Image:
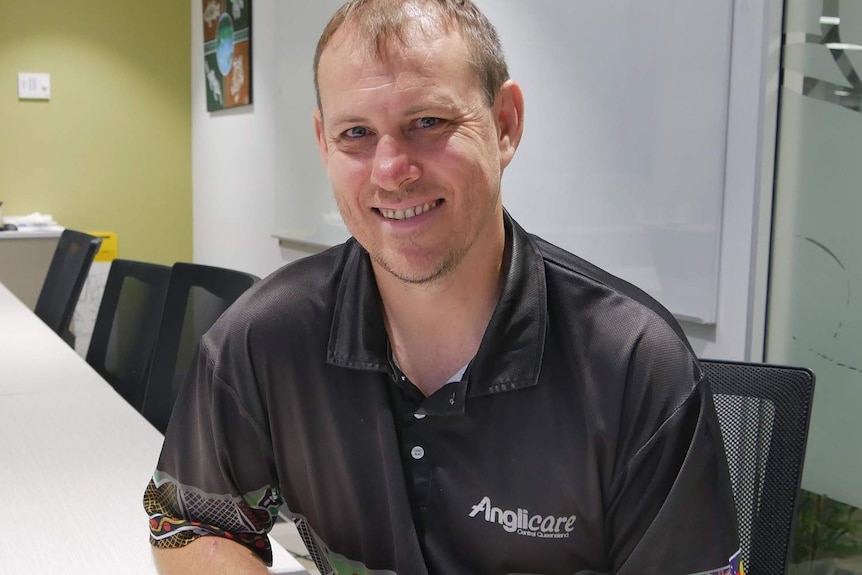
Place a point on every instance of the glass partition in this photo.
(815, 295)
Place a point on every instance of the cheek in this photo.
(350, 211)
(478, 155)
(347, 175)
(344, 208)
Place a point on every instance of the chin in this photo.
(413, 273)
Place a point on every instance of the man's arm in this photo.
(215, 480)
(208, 556)
(672, 506)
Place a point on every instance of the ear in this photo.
(321, 137)
(509, 111)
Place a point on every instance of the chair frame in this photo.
(154, 275)
(774, 519)
(90, 244)
(224, 283)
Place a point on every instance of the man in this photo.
(444, 393)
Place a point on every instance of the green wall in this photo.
(111, 150)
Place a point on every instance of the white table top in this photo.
(74, 461)
(30, 233)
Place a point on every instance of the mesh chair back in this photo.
(197, 296)
(124, 335)
(65, 279)
(764, 412)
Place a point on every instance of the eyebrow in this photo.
(418, 109)
(434, 102)
(338, 120)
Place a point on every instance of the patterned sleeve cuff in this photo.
(167, 531)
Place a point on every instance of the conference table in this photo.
(74, 461)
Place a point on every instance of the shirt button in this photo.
(419, 415)
(417, 452)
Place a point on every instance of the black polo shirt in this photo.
(581, 437)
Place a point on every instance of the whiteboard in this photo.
(623, 156)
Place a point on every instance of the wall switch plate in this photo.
(34, 86)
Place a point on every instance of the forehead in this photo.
(422, 55)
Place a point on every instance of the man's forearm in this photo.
(209, 556)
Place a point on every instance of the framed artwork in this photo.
(227, 53)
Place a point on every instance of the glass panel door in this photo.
(815, 294)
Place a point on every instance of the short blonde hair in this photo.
(381, 21)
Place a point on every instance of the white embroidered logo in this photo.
(522, 523)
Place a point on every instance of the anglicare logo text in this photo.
(521, 522)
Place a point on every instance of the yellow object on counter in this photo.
(108, 250)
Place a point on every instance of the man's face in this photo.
(413, 152)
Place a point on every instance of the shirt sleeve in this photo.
(215, 475)
(671, 503)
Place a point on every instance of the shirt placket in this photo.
(418, 417)
(419, 456)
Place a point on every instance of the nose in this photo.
(393, 168)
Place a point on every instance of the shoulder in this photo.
(601, 295)
(584, 292)
(620, 330)
(297, 299)
(295, 285)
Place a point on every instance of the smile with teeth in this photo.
(409, 212)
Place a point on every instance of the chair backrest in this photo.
(197, 296)
(764, 413)
(65, 279)
(124, 335)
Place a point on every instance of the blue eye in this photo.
(427, 122)
(356, 132)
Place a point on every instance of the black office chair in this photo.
(67, 273)
(124, 335)
(197, 296)
(764, 413)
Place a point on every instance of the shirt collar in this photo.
(510, 354)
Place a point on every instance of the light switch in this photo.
(34, 86)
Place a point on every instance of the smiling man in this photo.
(444, 393)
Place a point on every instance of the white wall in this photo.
(234, 166)
(233, 161)
(743, 265)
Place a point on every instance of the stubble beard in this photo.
(427, 277)
(428, 274)
(436, 272)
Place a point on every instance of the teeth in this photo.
(410, 212)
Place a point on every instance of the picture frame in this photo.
(227, 53)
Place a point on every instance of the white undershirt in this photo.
(454, 379)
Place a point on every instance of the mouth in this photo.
(409, 212)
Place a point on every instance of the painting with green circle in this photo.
(227, 53)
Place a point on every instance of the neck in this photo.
(436, 329)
